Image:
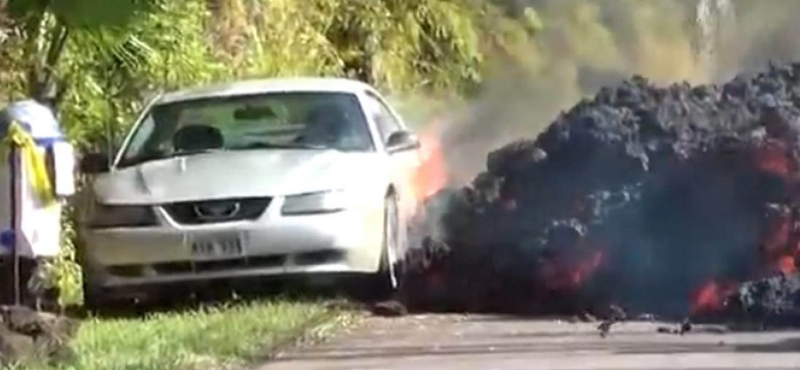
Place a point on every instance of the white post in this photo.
(16, 172)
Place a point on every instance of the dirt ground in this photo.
(492, 342)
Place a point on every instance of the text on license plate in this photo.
(217, 246)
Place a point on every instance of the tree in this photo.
(112, 71)
(46, 25)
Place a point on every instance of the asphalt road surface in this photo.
(490, 342)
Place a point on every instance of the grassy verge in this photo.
(210, 338)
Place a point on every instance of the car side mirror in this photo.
(93, 163)
(400, 141)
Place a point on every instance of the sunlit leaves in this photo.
(110, 71)
(396, 44)
(82, 13)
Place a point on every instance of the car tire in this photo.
(387, 278)
(93, 300)
(99, 301)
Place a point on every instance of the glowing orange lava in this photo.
(773, 158)
(707, 298)
(780, 246)
(711, 297)
(561, 277)
(778, 235)
(786, 265)
(431, 176)
(586, 268)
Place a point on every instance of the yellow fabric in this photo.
(33, 160)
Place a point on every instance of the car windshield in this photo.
(304, 120)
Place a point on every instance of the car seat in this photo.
(197, 137)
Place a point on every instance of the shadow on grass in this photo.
(351, 291)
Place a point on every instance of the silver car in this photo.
(254, 178)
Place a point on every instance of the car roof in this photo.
(250, 87)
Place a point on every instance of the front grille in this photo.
(126, 270)
(318, 257)
(212, 211)
(189, 267)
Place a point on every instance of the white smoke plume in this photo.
(587, 44)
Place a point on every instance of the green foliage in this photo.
(64, 272)
(79, 13)
(113, 59)
(163, 50)
(45, 25)
(12, 72)
(284, 38)
(408, 45)
(225, 337)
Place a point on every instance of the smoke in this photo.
(584, 45)
(763, 32)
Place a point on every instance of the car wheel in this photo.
(93, 300)
(387, 277)
(100, 301)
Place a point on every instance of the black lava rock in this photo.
(638, 196)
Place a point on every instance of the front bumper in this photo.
(273, 244)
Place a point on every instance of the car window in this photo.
(265, 121)
(386, 122)
(144, 131)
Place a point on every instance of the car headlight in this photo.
(107, 216)
(322, 202)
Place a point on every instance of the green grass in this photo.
(208, 338)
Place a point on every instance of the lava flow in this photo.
(668, 200)
(711, 298)
(570, 276)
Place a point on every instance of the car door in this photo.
(404, 163)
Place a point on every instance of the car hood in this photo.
(239, 174)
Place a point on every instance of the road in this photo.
(492, 342)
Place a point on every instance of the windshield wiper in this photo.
(157, 156)
(263, 145)
(181, 153)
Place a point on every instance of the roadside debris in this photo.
(389, 309)
(605, 327)
(614, 315)
(586, 317)
(685, 327)
(28, 336)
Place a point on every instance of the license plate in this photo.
(217, 246)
